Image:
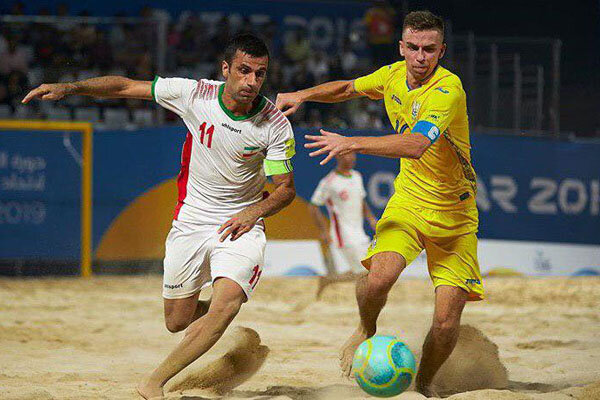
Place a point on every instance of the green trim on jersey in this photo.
(234, 117)
(152, 89)
(277, 167)
(342, 175)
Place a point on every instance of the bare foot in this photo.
(349, 348)
(150, 391)
(425, 390)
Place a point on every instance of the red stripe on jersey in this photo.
(199, 87)
(278, 119)
(336, 225)
(182, 178)
(269, 111)
(277, 114)
(279, 125)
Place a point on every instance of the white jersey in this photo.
(343, 196)
(222, 158)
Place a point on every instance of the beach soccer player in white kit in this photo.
(342, 192)
(235, 138)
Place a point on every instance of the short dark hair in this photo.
(246, 43)
(423, 21)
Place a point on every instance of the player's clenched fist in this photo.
(288, 102)
(239, 224)
(49, 91)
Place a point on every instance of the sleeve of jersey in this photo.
(281, 144)
(438, 112)
(372, 85)
(174, 94)
(281, 147)
(319, 197)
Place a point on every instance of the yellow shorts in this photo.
(448, 237)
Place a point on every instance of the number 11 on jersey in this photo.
(208, 133)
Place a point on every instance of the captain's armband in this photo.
(277, 167)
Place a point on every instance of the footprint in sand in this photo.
(241, 361)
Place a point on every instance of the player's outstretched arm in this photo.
(329, 92)
(103, 87)
(392, 146)
(242, 222)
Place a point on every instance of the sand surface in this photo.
(93, 339)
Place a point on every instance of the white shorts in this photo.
(348, 258)
(195, 257)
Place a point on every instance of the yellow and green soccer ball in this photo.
(383, 366)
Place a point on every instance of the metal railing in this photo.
(512, 84)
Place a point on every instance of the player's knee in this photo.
(382, 278)
(445, 328)
(380, 283)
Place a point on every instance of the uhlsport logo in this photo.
(396, 99)
(231, 128)
(179, 285)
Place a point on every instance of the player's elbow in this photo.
(418, 152)
(418, 148)
(349, 91)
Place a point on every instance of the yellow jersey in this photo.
(443, 178)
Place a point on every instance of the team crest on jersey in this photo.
(416, 106)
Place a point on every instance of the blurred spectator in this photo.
(62, 10)
(318, 66)
(334, 119)
(314, 118)
(380, 23)
(18, 8)
(297, 49)
(13, 88)
(14, 58)
(349, 59)
(74, 50)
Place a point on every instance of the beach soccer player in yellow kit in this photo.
(433, 207)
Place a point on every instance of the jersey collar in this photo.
(259, 106)
(342, 175)
(426, 79)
